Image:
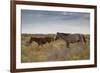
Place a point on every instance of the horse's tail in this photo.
(84, 39)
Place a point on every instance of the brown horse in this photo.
(71, 38)
(40, 40)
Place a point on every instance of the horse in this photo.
(71, 38)
(40, 40)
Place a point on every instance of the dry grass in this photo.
(53, 51)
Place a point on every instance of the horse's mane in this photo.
(63, 33)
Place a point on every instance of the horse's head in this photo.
(58, 35)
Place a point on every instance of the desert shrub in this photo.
(53, 51)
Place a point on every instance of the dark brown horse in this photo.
(71, 38)
(40, 40)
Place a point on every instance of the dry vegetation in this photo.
(53, 51)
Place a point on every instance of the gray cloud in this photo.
(40, 21)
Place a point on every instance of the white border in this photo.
(20, 65)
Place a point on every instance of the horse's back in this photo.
(41, 40)
(72, 38)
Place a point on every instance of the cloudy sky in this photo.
(39, 21)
